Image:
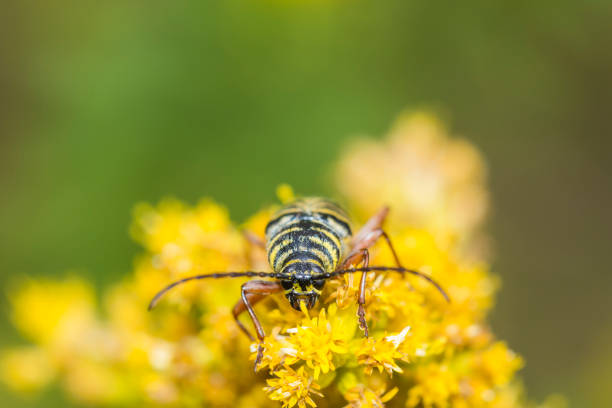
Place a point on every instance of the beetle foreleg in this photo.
(365, 238)
(251, 293)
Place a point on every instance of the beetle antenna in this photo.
(393, 269)
(217, 275)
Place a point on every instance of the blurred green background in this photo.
(105, 104)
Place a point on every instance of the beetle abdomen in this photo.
(309, 230)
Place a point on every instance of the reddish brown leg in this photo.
(362, 292)
(390, 245)
(252, 292)
(363, 258)
(375, 222)
(364, 239)
(254, 239)
(371, 232)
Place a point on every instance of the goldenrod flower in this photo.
(189, 352)
(381, 354)
(318, 340)
(293, 388)
(498, 364)
(27, 369)
(435, 385)
(437, 182)
(63, 310)
(363, 397)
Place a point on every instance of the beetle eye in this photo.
(318, 283)
(286, 284)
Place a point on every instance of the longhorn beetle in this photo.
(308, 241)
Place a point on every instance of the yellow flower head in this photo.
(293, 388)
(436, 182)
(381, 354)
(499, 364)
(47, 311)
(364, 397)
(27, 369)
(435, 385)
(317, 340)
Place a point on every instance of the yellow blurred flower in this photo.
(27, 369)
(499, 364)
(47, 311)
(435, 384)
(432, 180)
(189, 352)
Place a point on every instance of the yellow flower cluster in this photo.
(189, 352)
(434, 181)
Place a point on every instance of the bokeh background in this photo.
(106, 104)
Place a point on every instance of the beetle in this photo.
(308, 241)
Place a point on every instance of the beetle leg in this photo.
(362, 292)
(374, 223)
(371, 232)
(251, 293)
(255, 251)
(254, 239)
(362, 257)
(363, 240)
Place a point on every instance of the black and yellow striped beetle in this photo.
(308, 241)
